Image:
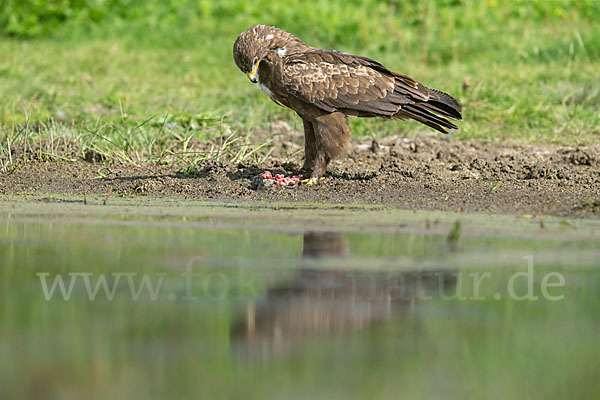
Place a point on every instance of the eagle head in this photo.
(257, 43)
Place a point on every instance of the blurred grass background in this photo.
(142, 74)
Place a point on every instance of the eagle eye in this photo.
(254, 61)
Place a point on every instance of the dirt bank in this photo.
(422, 173)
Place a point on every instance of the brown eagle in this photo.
(325, 87)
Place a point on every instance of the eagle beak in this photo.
(253, 76)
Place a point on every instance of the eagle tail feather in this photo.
(420, 113)
(427, 122)
(445, 102)
(433, 111)
(436, 109)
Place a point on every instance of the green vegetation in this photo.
(145, 80)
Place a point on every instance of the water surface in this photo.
(231, 300)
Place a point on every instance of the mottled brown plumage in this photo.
(326, 86)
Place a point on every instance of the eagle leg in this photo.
(332, 136)
(310, 147)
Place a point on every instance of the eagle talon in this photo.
(311, 181)
(315, 181)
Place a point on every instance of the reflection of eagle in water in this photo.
(325, 87)
(327, 301)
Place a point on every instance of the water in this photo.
(276, 301)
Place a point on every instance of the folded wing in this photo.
(335, 81)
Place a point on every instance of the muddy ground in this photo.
(430, 172)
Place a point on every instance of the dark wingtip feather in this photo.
(446, 103)
(418, 110)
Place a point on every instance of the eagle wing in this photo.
(335, 81)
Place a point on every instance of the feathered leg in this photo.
(310, 147)
(332, 135)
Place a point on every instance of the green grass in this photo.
(141, 81)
